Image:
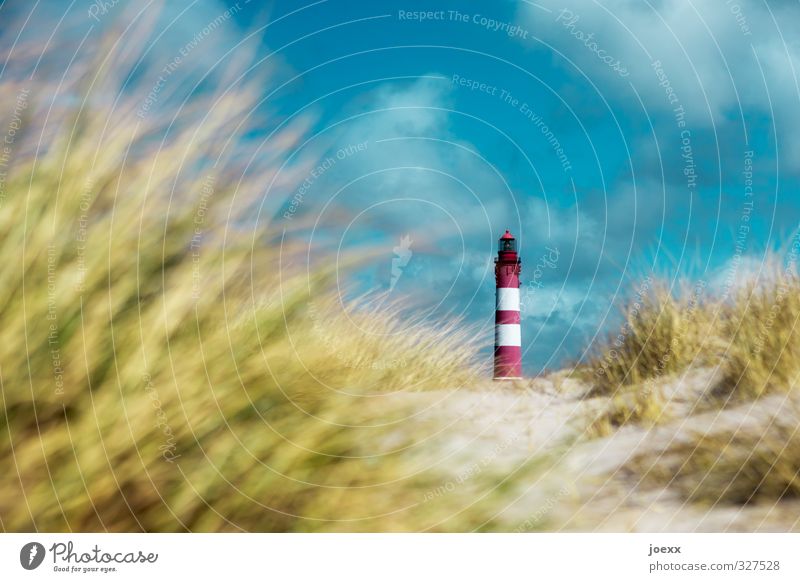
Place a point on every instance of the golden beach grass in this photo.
(167, 365)
(751, 335)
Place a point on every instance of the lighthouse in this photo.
(507, 336)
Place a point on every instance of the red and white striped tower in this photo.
(507, 336)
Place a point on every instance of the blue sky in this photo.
(614, 135)
(656, 149)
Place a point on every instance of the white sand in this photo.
(588, 485)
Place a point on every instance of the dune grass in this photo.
(763, 333)
(752, 336)
(643, 406)
(753, 462)
(166, 365)
(663, 332)
(750, 333)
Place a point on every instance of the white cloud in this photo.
(439, 185)
(718, 57)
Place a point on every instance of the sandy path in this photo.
(588, 485)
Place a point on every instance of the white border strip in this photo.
(462, 557)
